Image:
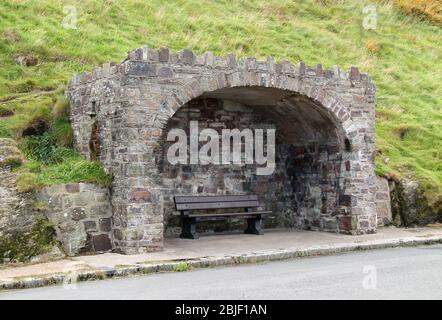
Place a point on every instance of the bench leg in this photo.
(254, 225)
(189, 228)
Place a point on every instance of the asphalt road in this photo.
(400, 273)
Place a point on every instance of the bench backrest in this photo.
(215, 202)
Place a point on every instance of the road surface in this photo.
(400, 273)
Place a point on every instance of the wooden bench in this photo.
(187, 204)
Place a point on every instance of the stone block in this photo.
(345, 199)
(102, 197)
(118, 234)
(153, 229)
(78, 213)
(165, 72)
(345, 223)
(73, 188)
(55, 202)
(67, 201)
(330, 224)
(101, 243)
(105, 224)
(99, 210)
(139, 194)
(135, 68)
(163, 55)
(186, 56)
(84, 199)
(90, 225)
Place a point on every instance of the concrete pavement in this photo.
(398, 273)
(213, 251)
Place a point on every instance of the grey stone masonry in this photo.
(81, 215)
(16, 215)
(325, 119)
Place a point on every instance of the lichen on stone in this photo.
(21, 246)
(409, 205)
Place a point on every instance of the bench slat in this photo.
(217, 205)
(226, 198)
(254, 213)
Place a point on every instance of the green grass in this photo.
(75, 170)
(181, 266)
(403, 55)
(51, 161)
(71, 169)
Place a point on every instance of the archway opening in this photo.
(302, 190)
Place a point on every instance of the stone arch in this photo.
(338, 111)
(171, 107)
(140, 95)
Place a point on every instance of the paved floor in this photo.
(399, 273)
(217, 246)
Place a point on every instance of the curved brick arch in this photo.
(129, 105)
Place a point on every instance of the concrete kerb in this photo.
(120, 271)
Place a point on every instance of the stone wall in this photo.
(119, 114)
(81, 215)
(25, 233)
(16, 214)
(302, 191)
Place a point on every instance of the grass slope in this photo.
(403, 55)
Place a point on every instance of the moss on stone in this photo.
(412, 209)
(27, 182)
(22, 246)
(39, 205)
(426, 213)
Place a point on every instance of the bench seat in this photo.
(188, 204)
